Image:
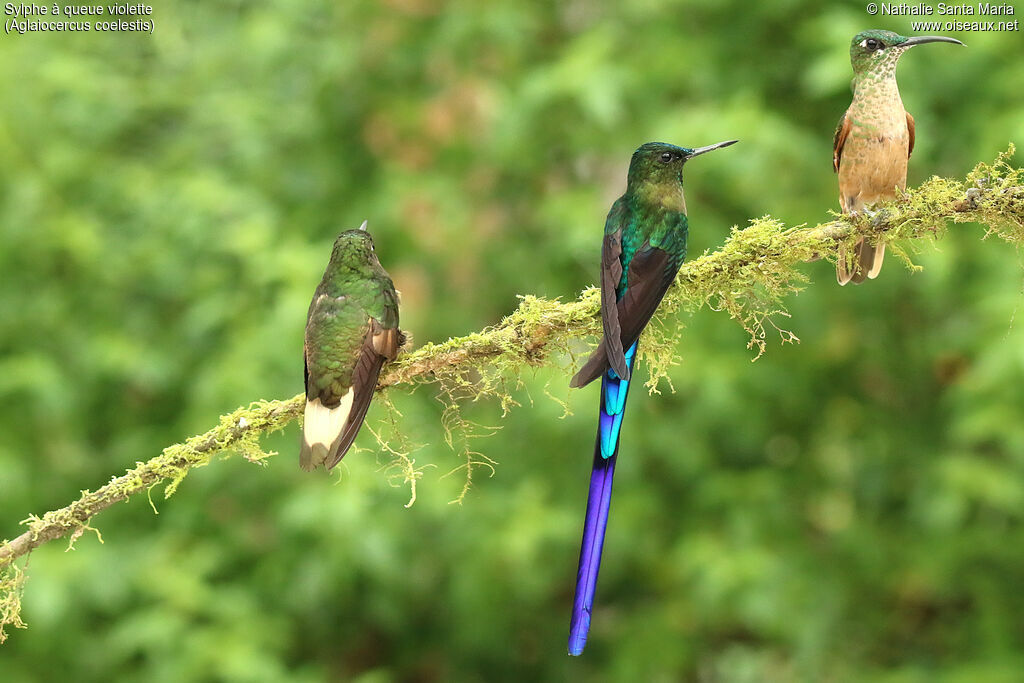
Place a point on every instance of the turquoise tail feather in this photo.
(614, 391)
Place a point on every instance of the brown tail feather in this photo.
(592, 369)
(867, 262)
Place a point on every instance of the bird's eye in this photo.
(666, 157)
(872, 44)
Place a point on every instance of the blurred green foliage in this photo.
(846, 509)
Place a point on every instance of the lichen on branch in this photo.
(748, 278)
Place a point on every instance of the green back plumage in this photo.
(354, 289)
(642, 222)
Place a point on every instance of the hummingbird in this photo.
(351, 331)
(874, 139)
(644, 246)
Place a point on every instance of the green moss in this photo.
(749, 278)
(400, 467)
(12, 583)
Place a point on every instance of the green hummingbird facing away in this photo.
(644, 244)
(351, 331)
(874, 139)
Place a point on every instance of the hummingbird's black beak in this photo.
(920, 40)
(710, 148)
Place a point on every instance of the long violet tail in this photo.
(606, 450)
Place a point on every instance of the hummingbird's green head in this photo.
(876, 51)
(661, 164)
(353, 247)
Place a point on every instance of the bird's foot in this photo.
(878, 218)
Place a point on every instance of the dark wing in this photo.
(381, 344)
(592, 369)
(305, 370)
(611, 274)
(651, 272)
(839, 141)
(910, 130)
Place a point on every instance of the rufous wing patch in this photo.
(839, 141)
(385, 340)
(910, 134)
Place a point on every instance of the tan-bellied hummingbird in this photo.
(874, 139)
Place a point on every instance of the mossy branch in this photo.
(748, 278)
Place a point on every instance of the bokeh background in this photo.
(845, 509)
